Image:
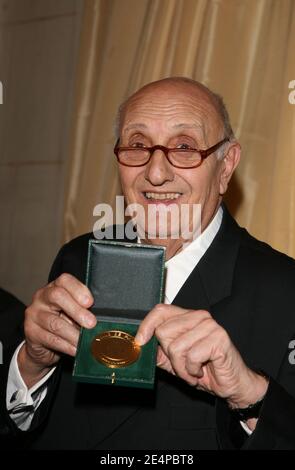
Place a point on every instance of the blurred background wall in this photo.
(39, 42)
(65, 67)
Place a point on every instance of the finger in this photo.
(58, 326)
(178, 348)
(59, 299)
(66, 318)
(163, 361)
(210, 347)
(159, 314)
(178, 364)
(199, 355)
(52, 342)
(217, 348)
(75, 288)
(187, 327)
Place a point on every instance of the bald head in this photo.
(186, 87)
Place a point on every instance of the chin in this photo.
(160, 233)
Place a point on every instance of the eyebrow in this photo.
(180, 125)
(136, 125)
(183, 125)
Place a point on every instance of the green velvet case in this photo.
(126, 281)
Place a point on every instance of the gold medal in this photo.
(115, 348)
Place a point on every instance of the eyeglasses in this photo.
(179, 158)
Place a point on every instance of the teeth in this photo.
(162, 195)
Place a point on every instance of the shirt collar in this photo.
(180, 266)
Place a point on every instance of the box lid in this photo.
(125, 279)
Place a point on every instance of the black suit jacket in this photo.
(11, 315)
(249, 289)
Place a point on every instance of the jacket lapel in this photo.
(211, 280)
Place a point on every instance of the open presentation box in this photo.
(126, 281)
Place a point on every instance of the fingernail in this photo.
(90, 321)
(85, 300)
(139, 339)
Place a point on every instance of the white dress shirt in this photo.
(181, 265)
(22, 403)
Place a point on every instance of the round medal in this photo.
(115, 348)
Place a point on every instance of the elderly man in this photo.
(225, 379)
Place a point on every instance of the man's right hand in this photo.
(52, 325)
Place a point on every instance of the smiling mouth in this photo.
(151, 196)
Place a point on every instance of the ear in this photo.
(228, 165)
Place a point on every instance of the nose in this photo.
(159, 170)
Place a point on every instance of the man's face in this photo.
(172, 117)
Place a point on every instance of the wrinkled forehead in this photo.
(171, 107)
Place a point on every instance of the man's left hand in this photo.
(197, 349)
